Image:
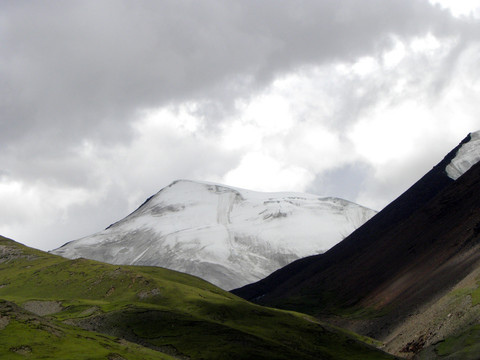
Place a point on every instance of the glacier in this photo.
(228, 236)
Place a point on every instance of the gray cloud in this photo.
(85, 67)
(345, 182)
(80, 72)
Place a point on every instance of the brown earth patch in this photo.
(146, 294)
(4, 321)
(113, 356)
(110, 291)
(9, 253)
(89, 311)
(21, 350)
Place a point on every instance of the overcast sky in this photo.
(103, 103)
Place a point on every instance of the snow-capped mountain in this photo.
(228, 236)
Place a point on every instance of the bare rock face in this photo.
(43, 308)
(228, 236)
(8, 253)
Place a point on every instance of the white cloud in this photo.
(281, 135)
(390, 133)
(393, 57)
(39, 205)
(403, 138)
(460, 8)
(258, 171)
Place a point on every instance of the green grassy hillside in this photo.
(91, 310)
(464, 346)
(24, 335)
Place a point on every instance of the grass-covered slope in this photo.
(80, 303)
(24, 335)
(464, 346)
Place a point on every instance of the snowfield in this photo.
(228, 236)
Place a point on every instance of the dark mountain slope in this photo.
(410, 253)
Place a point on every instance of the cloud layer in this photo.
(103, 103)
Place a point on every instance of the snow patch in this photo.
(467, 156)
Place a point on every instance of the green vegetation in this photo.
(165, 312)
(465, 346)
(464, 343)
(26, 336)
(474, 292)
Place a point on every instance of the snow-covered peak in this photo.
(228, 236)
(189, 187)
(467, 156)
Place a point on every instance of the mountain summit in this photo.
(228, 236)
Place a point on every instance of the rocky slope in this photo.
(408, 261)
(228, 236)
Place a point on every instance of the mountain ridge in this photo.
(399, 263)
(423, 190)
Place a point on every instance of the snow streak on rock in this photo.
(467, 156)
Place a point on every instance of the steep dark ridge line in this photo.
(144, 204)
(133, 212)
(451, 251)
(455, 216)
(397, 211)
(426, 255)
(368, 244)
